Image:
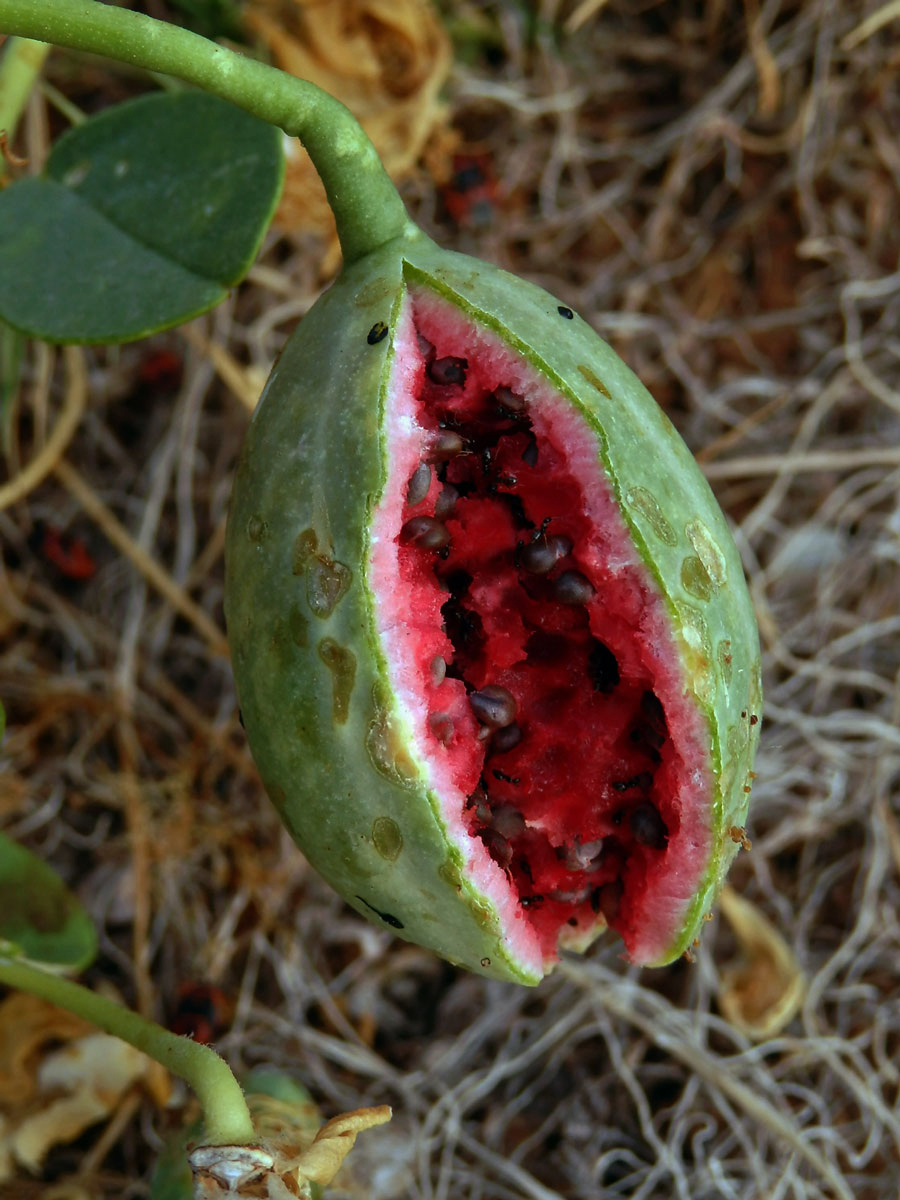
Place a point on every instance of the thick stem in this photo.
(366, 205)
(226, 1118)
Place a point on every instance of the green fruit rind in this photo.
(331, 743)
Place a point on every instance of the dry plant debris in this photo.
(717, 188)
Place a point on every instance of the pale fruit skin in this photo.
(311, 680)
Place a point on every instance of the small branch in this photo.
(227, 1119)
(366, 205)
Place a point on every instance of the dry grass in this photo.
(716, 187)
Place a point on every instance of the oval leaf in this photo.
(144, 218)
(40, 917)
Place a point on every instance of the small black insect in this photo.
(377, 333)
(565, 312)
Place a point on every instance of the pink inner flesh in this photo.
(591, 803)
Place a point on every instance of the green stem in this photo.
(366, 205)
(227, 1120)
(20, 65)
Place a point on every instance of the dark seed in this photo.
(438, 670)
(511, 401)
(542, 554)
(441, 725)
(419, 484)
(446, 502)
(530, 453)
(642, 781)
(425, 532)
(572, 588)
(528, 901)
(603, 669)
(463, 627)
(458, 582)
(651, 707)
(648, 827)
(607, 898)
(445, 445)
(494, 706)
(444, 371)
(580, 855)
(508, 821)
(506, 739)
(504, 778)
(498, 847)
(564, 311)
(377, 333)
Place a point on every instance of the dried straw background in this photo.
(716, 187)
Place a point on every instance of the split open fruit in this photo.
(495, 655)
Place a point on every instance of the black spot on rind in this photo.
(565, 311)
(377, 333)
(386, 917)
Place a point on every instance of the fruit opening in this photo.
(530, 649)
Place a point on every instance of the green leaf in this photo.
(12, 347)
(146, 215)
(39, 917)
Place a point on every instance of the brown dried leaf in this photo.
(27, 1026)
(78, 1085)
(334, 1141)
(762, 994)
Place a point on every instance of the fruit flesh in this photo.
(530, 650)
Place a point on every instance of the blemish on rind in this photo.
(387, 838)
(723, 654)
(327, 580)
(387, 752)
(737, 740)
(373, 293)
(644, 502)
(698, 651)
(695, 580)
(708, 552)
(385, 916)
(256, 529)
(450, 873)
(305, 545)
(483, 915)
(594, 380)
(298, 626)
(342, 665)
